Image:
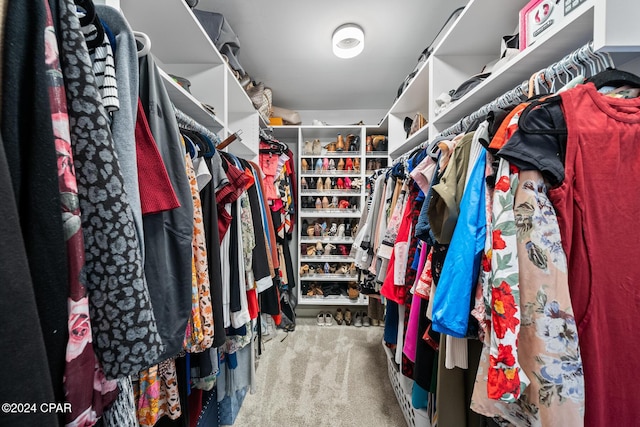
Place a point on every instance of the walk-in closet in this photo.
(365, 213)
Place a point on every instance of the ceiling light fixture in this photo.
(348, 41)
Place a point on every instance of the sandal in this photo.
(328, 249)
(311, 250)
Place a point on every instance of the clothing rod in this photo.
(191, 124)
(576, 61)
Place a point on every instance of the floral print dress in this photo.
(548, 352)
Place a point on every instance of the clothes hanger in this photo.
(145, 41)
(91, 18)
(614, 77)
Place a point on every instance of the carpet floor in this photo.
(322, 376)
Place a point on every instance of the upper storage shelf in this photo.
(577, 29)
(176, 35)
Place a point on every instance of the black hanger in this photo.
(91, 18)
(614, 77)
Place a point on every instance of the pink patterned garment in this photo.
(85, 386)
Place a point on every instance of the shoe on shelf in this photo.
(357, 322)
(318, 203)
(310, 230)
(365, 320)
(326, 266)
(319, 248)
(369, 142)
(317, 146)
(320, 184)
(320, 319)
(318, 289)
(317, 230)
(315, 122)
(342, 250)
(318, 165)
(304, 165)
(340, 231)
(327, 183)
(328, 319)
(340, 164)
(354, 293)
(347, 317)
(325, 164)
(308, 147)
(334, 202)
(356, 164)
(339, 316)
(340, 143)
(334, 229)
(347, 183)
(343, 269)
(304, 269)
(325, 202)
(328, 249)
(333, 268)
(311, 250)
(332, 165)
(348, 165)
(331, 147)
(303, 184)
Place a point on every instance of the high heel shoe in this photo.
(370, 165)
(347, 183)
(311, 250)
(303, 184)
(334, 184)
(340, 184)
(341, 164)
(356, 164)
(326, 268)
(325, 164)
(304, 269)
(319, 185)
(340, 143)
(348, 165)
(319, 249)
(304, 165)
(334, 229)
(327, 183)
(334, 202)
(325, 202)
(355, 144)
(317, 230)
(318, 203)
(328, 249)
(343, 269)
(344, 204)
(318, 165)
(311, 230)
(332, 165)
(340, 230)
(342, 250)
(369, 144)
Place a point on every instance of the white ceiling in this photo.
(287, 45)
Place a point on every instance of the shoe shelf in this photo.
(383, 154)
(333, 300)
(333, 213)
(337, 192)
(331, 277)
(326, 258)
(326, 239)
(332, 154)
(330, 173)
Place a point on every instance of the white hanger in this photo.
(146, 43)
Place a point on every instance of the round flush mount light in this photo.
(348, 41)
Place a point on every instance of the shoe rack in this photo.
(333, 163)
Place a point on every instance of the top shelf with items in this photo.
(182, 48)
(473, 45)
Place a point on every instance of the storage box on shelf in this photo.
(182, 48)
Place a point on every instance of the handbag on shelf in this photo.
(418, 123)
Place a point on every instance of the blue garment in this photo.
(423, 228)
(452, 299)
(391, 323)
(419, 397)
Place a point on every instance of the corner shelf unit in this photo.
(296, 136)
(458, 56)
(181, 47)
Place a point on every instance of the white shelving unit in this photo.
(182, 48)
(474, 41)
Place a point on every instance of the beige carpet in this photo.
(323, 376)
